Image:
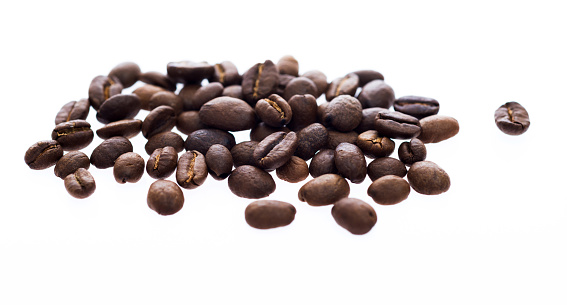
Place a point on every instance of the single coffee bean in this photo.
(350, 162)
(251, 182)
(165, 197)
(376, 94)
(417, 106)
(427, 178)
(160, 119)
(75, 110)
(163, 139)
(259, 81)
(43, 154)
(412, 151)
(320, 80)
(71, 162)
(437, 128)
(334, 138)
(191, 170)
(186, 94)
(102, 88)
(311, 139)
(129, 167)
(283, 80)
(373, 145)
(127, 128)
(269, 214)
(368, 121)
(355, 215)
(304, 109)
(386, 166)
(219, 161)
(119, 107)
(300, 86)
(261, 131)
(273, 111)
(158, 79)
(201, 140)
(166, 98)
(324, 190)
(226, 73)
(80, 184)
(144, 93)
(227, 113)
(275, 150)
(294, 170)
(323, 163)
(162, 162)
(233, 91)
(345, 85)
(343, 113)
(512, 119)
(389, 189)
(104, 155)
(366, 76)
(243, 153)
(127, 73)
(288, 65)
(188, 121)
(73, 135)
(397, 125)
(203, 95)
(189, 72)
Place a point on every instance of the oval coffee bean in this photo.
(323, 163)
(165, 197)
(201, 140)
(350, 162)
(324, 190)
(219, 161)
(146, 92)
(412, 151)
(102, 88)
(366, 76)
(355, 215)
(319, 79)
(233, 91)
(75, 110)
(166, 98)
(191, 170)
(368, 121)
(227, 74)
(243, 153)
(188, 121)
(128, 128)
(427, 178)
(73, 135)
(386, 166)
(162, 163)
(397, 125)
(389, 189)
(158, 79)
(512, 119)
(189, 72)
(345, 85)
(129, 167)
(119, 107)
(164, 139)
(251, 182)
(273, 111)
(269, 214)
(288, 65)
(304, 110)
(70, 163)
(104, 155)
(203, 95)
(376, 94)
(160, 119)
(310, 140)
(299, 86)
(373, 145)
(417, 106)
(343, 113)
(127, 73)
(259, 81)
(43, 154)
(437, 128)
(227, 113)
(294, 170)
(275, 150)
(80, 184)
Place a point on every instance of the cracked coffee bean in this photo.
(389, 189)
(80, 184)
(412, 151)
(219, 161)
(323, 163)
(355, 215)
(165, 197)
(127, 128)
(427, 178)
(191, 170)
(70, 163)
(343, 113)
(73, 135)
(43, 154)
(437, 128)
(159, 120)
(397, 125)
(259, 81)
(104, 155)
(350, 162)
(269, 214)
(127, 73)
(386, 166)
(75, 110)
(189, 72)
(227, 113)
(417, 106)
(251, 182)
(102, 88)
(273, 111)
(324, 190)
(376, 94)
(226, 73)
(201, 140)
(512, 119)
(119, 107)
(129, 167)
(345, 85)
(294, 170)
(162, 162)
(275, 150)
(373, 145)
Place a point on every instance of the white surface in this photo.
(496, 237)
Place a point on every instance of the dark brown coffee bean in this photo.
(75, 110)
(201, 140)
(345, 85)
(129, 167)
(300, 86)
(188, 121)
(427, 178)
(373, 145)
(273, 111)
(269, 214)
(350, 162)
(189, 72)
(386, 166)
(128, 128)
(412, 151)
(389, 189)
(334, 138)
(397, 125)
(323, 163)
(162, 162)
(191, 170)
(368, 121)
(186, 94)
(233, 91)
(104, 155)
(166, 98)
(283, 80)
(219, 161)
(228, 113)
(324, 190)
(73, 135)
(304, 110)
(437, 128)
(311, 139)
(160, 119)
(417, 106)
(366, 76)
(43, 154)
(203, 95)
(259, 81)
(163, 139)
(261, 131)
(275, 150)
(251, 182)
(343, 113)
(243, 153)
(288, 65)
(227, 74)
(512, 119)
(165, 197)
(321, 113)
(158, 79)
(377, 94)
(294, 170)
(119, 107)
(102, 88)
(144, 93)
(71, 162)
(80, 184)
(355, 215)
(320, 80)
(127, 73)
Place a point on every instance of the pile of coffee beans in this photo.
(291, 133)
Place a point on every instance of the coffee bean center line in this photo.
(71, 130)
(107, 89)
(221, 72)
(340, 85)
(157, 162)
(510, 114)
(43, 152)
(190, 170)
(278, 109)
(70, 112)
(78, 180)
(257, 82)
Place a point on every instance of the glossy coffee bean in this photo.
(233, 91)
(102, 88)
(163, 139)
(226, 73)
(512, 119)
(227, 113)
(304, 110)
(310, 140)
(203, 95)
(324, 190)
(191, 170)
(189, 72)
(288, 65)
(294, 170)
(389, 189)
(129, 167)
(158, 79)
(397, 125)
(80, 184)
(417, 106)
(366, 76)
(201, 140)
(251, 182)
(74, 110)
(376, 94)
(73, 135)
(355, 215)
(269, 214)
(343, 113)
(243, 153)
(166, 98)
(144, 93)
(427, 178)
(437, 128)
(373, 145)
(412, 151)
(43, 154)
(368, 121)
(299, 86)
(104, 155)
(219, 161)
(165, 197)
(186, 94)
(71, 162)
(273, 111)
(261, 131)
(323, 163)
(119, 107)
(386, 166)
(319, 79)
(159, 120)
(188, 121)
(275, 150)
(334, 138)
(259, 81)
(162, 162)
(350, 162)
(127, 128)
(127, 73)
(345, 85)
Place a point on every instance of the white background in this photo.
(496, 237)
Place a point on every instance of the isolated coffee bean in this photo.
(376, 94)
(389, 189)
(373, 145)
(71, 162)
(75, 110)
(158, 79)
(269, 214)
(80, 184)
(397, 125)
(427, 178)
(233, 91)
(512, 119)
(368, 121)
(188, 121)
(186, 94)
(261, 131)
(343, 113)
(119, 107)
(334, 138)
(191, 170)
(350, 162)
(219, 161)
(324, 190)
(163, 139)
(201, 140)
(275, 150)
(73, 135)
(323, 163)
(227, 113)
(355, 215)
(417, 106)
(129, 167)
(160, 119)
(251, 182)
(386, 166)
(104, 155)
(288, 65)
(436, 128)
(345, 85)
(166, 98)
(299, 86)
(162, 162)
(273, 111)
(226, 73)
(127, 128)
(294, 170)
(304, 110)
(310, 140)
(283, 80)
(144, 93)
(43, 154)
(366, 76)
(259, 81)
(412, 151)
(165, 197)
(127, 73)
(189, 72)
(320, 80)
(243, 153)
(102, 88)
(203, 95)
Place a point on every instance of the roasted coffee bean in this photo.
(43, 154)
(75, 110)
(269, 214)
(368, 121)
(320, 80)
(80, 184)
(129, 167)
(300, 86)
(146, 92)
(71, 162)
(261, 131)
(163, 139)
(243, 153)
(259, 81)
(191, 170)
(334, 138)
(201, 140)
(311, 139)
(228, 113)
(188, 121)
(345, 85)
(73, 135)
(427, 178)
(275, 150)
(119, 107)
(321, 113)
(219, 161)
(512, 119)
(104, 155)
(158, 79)
(323, 163)
(283, 80)
(355, 215)
(233, 91)
(386, 166)
(102, 88)
(251, 182)
(373, 145)
(186, 94)
(160, 119)
(294, 170)
(417, 106)
(203, 95)
(376, 94)
(127, 73)
(324, 190)
(397, 125)
(165, 197)
(273, 111)
(166, 98)
(350, 162)
(304, 110)
(389, 189)
(227, 74)
(343, 113)
(124, 128)
(288, 65)
(437, 128)
(412, 151)
(162, 162)
(366, 76)
(189, 72)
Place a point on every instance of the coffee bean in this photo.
(219, 161)
(261, 131)
(417, 106)
(355, 215)
(75, 110)
(350, 162)
(376, 94)
(189, 72)
(259, 81)
(129, 167)
(320, 80)
(512, 119)
(243, 153)
(162, 162)
(119, 107)
(71, 162)
(324, 190)
(186, 94)
(188, 121)
(273, 111)
(158, 79)
(191, 170)
(323, 163)
(345, 85)
(127, 128)
(300, 86)
(412, 151)
(311, 139)
(304, 110)
(269, 214)
(437, 128)
(227, 74)
(104, 155)
(165, 197)
(386, 166)
(233, 91)
(160, 119)
(80, 184)
(201, 140)
(334, 138)
(366, 76)
(275, 150)
(283, 80)
(373, 145)
(146, 92)
(127, 73)
(343, 113)
(251, 182)
(389, 189)
(426, 177)
(166, 98)
(397, 125)
(73, 135)
(368, 121)
(321, 113)
(203, 95)
(294, 170)
(43, 154)
(102, 88)
(288, 65)
(227, 113)
(163, 139)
